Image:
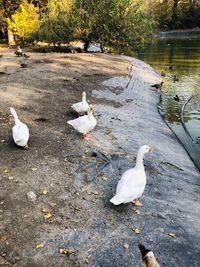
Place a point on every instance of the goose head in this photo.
(90, 107)
(145, 149)
(83, 96)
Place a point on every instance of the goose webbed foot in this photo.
(136, 202)
(86, 137)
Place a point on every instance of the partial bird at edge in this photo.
(148, 257)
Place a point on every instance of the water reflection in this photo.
(178, 57)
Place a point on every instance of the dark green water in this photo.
(180, 57)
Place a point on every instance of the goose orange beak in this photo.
(150, 149)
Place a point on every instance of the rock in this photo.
(31, 196)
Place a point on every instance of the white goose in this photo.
(81, 107)
(84, 124)
(20, 131)
(132, 183)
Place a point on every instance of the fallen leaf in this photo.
(2, 141)
(87, 259)
(126, 246)
(48, 216)
(104, 178)
(93, 199)
(41, 245)
(44, 192)
(6, 171)
(136, 230)
(137, 211)
(83, 189)
(34, 169)
(77, 208)
(46, 213)
(172, 234)
(4, 238)
(53, 204)
(95, 193)
(66, 251)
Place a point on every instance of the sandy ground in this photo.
(72, 222)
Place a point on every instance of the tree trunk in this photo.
(191, 9)
(174, 14)
(10, 36)
(86, 45)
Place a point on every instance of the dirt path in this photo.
(74, 180)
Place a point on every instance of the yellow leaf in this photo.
(66, 251)
(44, 192)
(93, 199)
(6, 171)
(45, 210)
(41, 245)
(136, 230)
(172, 234)
(126, 246)
(34, 169)
(48, 215)
(104, 178)
(95, 193)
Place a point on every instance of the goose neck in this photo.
(90, 115)
(83, 98)
(139, 160)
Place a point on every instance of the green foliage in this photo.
(172, 14)
(55, 24)
(7, 8)
(24, 22)
(117, 23)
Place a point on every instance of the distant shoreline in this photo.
(179, 33)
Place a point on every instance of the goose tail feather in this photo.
(117, 200)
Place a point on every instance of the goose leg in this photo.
(86, 137)
(26, 147)
(136, 202)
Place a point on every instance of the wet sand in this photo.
(74, 179)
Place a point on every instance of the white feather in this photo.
(20, 131)
(81, 107)
(84, 124)
(132, 183)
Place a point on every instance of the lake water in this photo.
(179, 57)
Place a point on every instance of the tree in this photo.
(24, 21)
(173, 14)
(118, 23)
(7, 8)
(55, 24)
